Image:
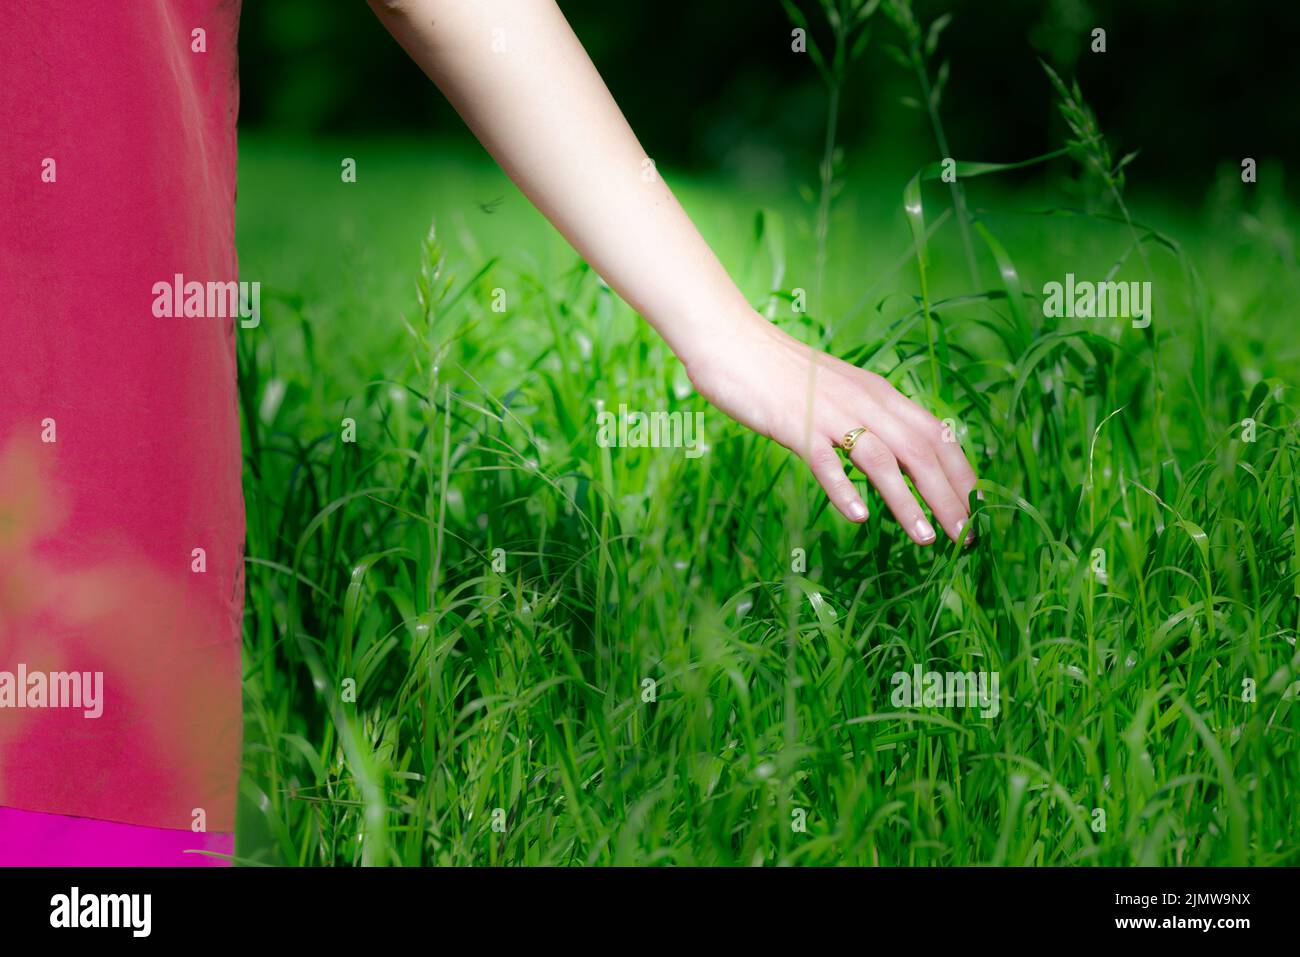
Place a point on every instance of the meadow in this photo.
(475, 635)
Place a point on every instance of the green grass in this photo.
(524, 690)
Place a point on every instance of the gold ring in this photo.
(851, 438)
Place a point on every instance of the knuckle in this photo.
(916, 452)
(949, 504)
(905, 510)
(875, 455)
(828, 471)
(823, 459)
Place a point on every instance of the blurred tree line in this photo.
(714, 84)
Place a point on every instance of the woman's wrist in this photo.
(707, 334)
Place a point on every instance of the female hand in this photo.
(807, 400)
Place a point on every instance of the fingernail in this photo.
(923, 530)
(857, 512)
(970, 536)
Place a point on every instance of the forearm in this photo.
(521, 80)
(525, 86)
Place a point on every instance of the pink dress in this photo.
(121, 511)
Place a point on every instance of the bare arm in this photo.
(523, 83)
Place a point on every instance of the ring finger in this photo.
(874, 459)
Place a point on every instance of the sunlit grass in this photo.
(524, 690)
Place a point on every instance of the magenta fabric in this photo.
(31, 839)
(119, 430)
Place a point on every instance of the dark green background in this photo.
(712, 84)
